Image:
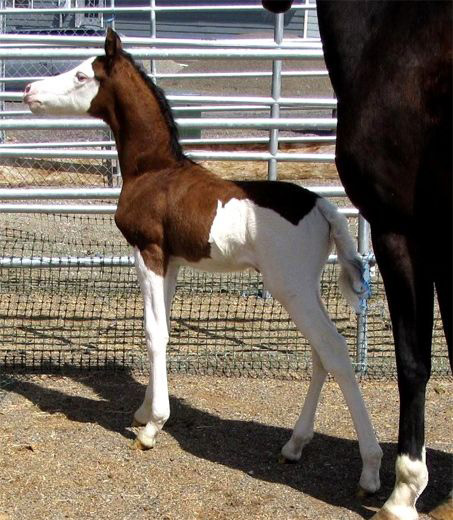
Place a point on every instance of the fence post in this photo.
(276, 94)
(153, 33)
(2, 66)
(361, 338)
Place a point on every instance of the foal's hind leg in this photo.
(303, 429)
(307, 311)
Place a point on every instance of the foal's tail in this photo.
(351, 281)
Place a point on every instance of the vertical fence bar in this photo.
(153, 32)
(305, 33)
(111, 20)
(2, 65)
(362, 339)
(272, 173)
(276, 94)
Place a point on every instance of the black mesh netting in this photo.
(221, 323)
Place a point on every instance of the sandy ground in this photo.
(65, 450)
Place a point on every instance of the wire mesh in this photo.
(93, 317)
(380, 342)
(220, 323)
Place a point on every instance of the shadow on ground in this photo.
(329, 470)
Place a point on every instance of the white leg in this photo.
(170, 288)
(303, 430)
(306, 309)
(155, 409)
(411, 480)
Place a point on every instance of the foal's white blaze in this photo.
(70, 93)
(411, 480)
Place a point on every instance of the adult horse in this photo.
(390, 64)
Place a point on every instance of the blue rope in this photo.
(366, 282)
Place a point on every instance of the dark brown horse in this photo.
(390, 64)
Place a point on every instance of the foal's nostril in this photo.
(27, 88)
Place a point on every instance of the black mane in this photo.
(165, 108)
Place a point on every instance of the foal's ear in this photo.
(113, 45)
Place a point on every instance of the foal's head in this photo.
(111, 87)
(80, 90)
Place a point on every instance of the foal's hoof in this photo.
(284, 460)
(443, 511)
(137, 444)
(362, 493)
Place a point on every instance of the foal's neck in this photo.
(142, 134)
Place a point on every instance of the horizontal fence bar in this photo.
(44, 262)
(72, 209)
(202, 123)
(207, 141)
(67, 261)
(113, 193)
(257, 74)
(32, 153)
(93, 209)
(253, 101)
(166, 54)
(62, 40)
(263, 100)
(143, 9)
(58, 193)
(191, 75)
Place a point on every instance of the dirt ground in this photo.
(65, 450)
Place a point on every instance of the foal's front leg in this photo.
(155, 409)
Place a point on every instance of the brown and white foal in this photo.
(174, 212)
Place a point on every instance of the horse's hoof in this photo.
(284, 460)
(443, 511)
(137, 444)
(362, 493)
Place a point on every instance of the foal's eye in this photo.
(81, 77)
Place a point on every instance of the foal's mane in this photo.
(164, 106)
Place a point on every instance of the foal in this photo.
(174, 212)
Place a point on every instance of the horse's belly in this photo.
(231, 239)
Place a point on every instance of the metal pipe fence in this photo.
(68, 292)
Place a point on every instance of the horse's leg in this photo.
(170, 288)
(444, 284)
(303, 429)
(155, 408)
(307, 311)
(143, 414)
(409, 288)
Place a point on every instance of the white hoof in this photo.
(369, 479)
(144, 441)
(292, 450)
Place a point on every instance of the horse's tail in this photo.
(351, 280)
